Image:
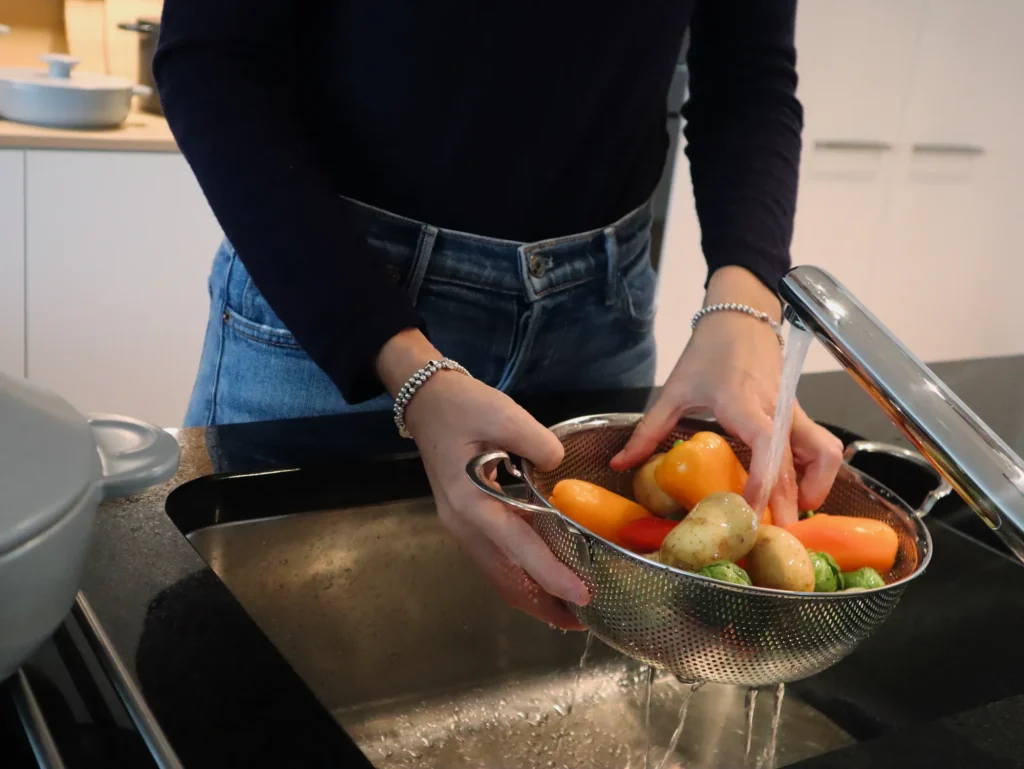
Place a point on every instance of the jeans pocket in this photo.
(638, 288)
(250, 315)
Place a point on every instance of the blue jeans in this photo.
(564, 314)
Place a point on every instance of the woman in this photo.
(401, 181)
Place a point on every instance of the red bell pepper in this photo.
(645, 535)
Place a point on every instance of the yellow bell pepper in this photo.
(703, 465)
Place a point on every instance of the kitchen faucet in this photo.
(982, 468)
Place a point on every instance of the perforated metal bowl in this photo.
(701, 629)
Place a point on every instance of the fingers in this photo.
(515, 586)
(819, 454)
(517, 541)
(513, 429)
(652, 430)
(746, 419)
(783, 500)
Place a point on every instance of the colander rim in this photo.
(575, 425)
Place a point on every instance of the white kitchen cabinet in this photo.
(119, 246)
(854, 60)
(12, 262)
(952, 275)
(853, 106)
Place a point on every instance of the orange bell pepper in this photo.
(596, 509)
(705, 464)
(854, 542)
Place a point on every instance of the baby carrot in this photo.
(596, 509)
(853, 542)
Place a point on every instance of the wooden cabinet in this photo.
(12, 262)
(119, 246)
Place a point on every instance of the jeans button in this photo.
(394, 273)
(539, 265)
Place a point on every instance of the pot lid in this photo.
(48, 460)
(59, 75)
(51, 456)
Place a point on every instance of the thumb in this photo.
(651, 430)
(515, 431)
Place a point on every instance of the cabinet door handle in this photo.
(859, 145)
(938, 148)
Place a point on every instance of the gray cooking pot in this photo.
(149, 35)
(56, 466)
(57, 98)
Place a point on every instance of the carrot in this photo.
(853, 542)
(596, 509)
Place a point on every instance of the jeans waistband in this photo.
(532, 270)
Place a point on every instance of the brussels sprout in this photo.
(726, 571)
(866, 578)
(826, 572)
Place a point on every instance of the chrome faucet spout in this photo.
(983, 469)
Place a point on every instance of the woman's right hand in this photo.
(453, 418)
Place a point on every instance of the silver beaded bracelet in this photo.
(746, 309)
(414, 383)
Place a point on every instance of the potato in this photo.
(649, 494)
(721, 527)
(779, 561)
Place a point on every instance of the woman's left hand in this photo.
(731, 367)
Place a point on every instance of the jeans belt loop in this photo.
(418, 269)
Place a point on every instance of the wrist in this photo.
(740, 286)
(402, 356)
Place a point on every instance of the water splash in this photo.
(767, 466)
(750, 704)
(674, 742)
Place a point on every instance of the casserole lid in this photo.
(51, 456)
(58, 75)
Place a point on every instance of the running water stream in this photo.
(647, 715)
(674, 742)
(567, 715)
(750, 703)
(768, 761)
(768, 465)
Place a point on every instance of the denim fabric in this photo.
(563, 314)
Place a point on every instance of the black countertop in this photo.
(224, 696)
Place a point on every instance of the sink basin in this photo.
(422, 663)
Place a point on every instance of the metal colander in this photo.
(701, 629)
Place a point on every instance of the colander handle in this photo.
(941, 491)
(477, 471)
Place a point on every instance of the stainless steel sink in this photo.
(419, 659)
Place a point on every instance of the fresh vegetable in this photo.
(826, 572)
(726, 571)
(853, 542)
(645, 534)
(866, 578)
(655, 556)
(703, 465)
(778, 560)
(598, 510)
(720, 527)
(649, 494)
